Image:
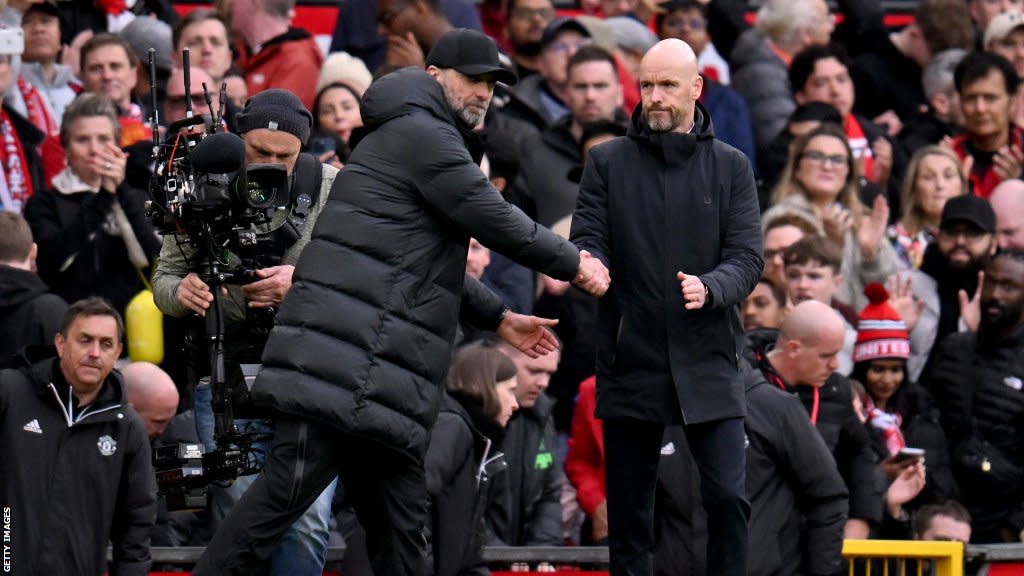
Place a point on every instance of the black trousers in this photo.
(632, 449)
(387, 489)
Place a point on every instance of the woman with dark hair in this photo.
(464, 448)
(900, 414)
(335, 115)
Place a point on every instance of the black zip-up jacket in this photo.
(460, 461)
(73, 479)
(29, 314)
(845, 435)
(798, 499)
(525, 507)
(650, 205)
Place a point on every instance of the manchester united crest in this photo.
(107, 445)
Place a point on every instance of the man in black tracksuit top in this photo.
(790, 365)
(798, 499)
(76, 470)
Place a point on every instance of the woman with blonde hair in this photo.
(933, 177)
(822, 180)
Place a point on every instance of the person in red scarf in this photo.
(19, 160)
(900, 413)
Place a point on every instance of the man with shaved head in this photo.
(1008, 203)
(804, 361)
(672, 212)
(153, 395)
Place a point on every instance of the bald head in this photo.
(152, 394)
(1008, 203)
(810, 322)
(669, 86)
(174, 106)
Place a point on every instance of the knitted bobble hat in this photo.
(881, 333)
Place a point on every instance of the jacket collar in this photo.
(673, 146)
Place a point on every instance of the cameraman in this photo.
(274, 125)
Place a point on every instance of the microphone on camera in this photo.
(219, 154)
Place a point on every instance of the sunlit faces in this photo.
(108, 70)
(87, 138)
(594, 91)
(938, 180)
(829, 82)
(207, 40)
(986, 105)
(811, 281)
(88, 352)
(761, 309)
(883, 378)
(776, 240)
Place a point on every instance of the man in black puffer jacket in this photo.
(976, 381)
(363, 340)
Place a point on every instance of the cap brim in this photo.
(967, 219)
(497, 72)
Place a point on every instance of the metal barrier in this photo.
(870, 557)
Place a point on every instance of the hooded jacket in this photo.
(525, 508)
(651, 204)
(73, 479)
(798, 499)
(459, 465)
(291, 61)
(363, 341)
(763, 80)
(29, 314)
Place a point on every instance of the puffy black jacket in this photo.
(29, 314)
(364, 338)
(651, 205)
(73, 484)
(525, 506)
(975, 379)
(798, 499)
(458, 467)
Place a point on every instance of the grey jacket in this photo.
(177, 259)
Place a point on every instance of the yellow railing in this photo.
(947, 558)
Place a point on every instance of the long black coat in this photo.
(363, 340)
(651, 205)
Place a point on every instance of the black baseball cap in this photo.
(969, 208)
(46, 7)
(471, 53)
(559, 25)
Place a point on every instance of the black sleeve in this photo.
(821, 492)
(135, 512)
(859, 464)
(863, 25)
(481, 307)
(742, 254)
(590, 220)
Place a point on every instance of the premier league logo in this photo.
(107, 445)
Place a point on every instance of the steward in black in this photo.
(73, 479)
(29, 313)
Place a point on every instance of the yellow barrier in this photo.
(947, 558)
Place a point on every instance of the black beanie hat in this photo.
(276, 109)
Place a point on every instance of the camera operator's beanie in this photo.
(276, 109)
(881, 333)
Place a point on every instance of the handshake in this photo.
(592, 275)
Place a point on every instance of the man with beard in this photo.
(672, 211)
(524, 27)
(946, 285)
(976, 381)
(357, 390)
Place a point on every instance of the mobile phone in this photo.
(320, 145)
(908, 454)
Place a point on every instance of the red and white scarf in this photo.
(36, 109)
(15, 185)
(889, 423)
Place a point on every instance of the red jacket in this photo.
(290, 61)
(984, 178)
(584, 464)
